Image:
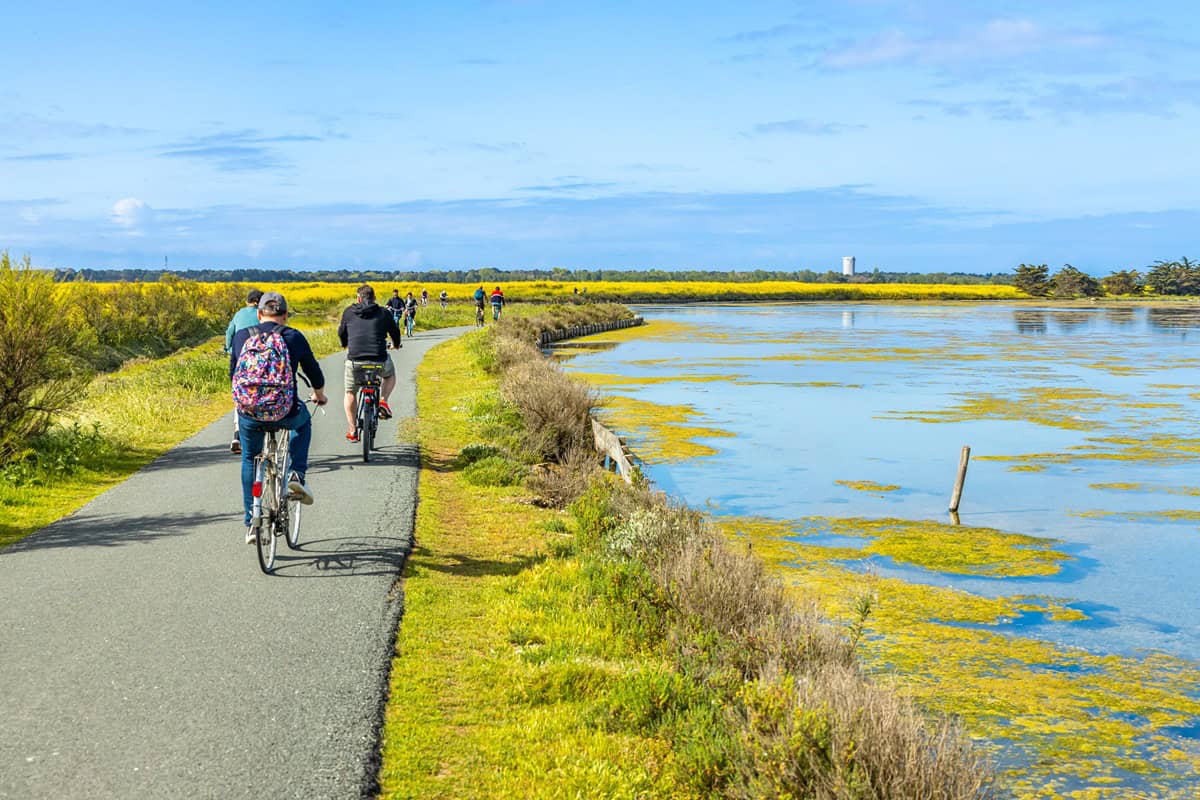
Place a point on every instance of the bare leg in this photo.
(388, 385)
(351, 409)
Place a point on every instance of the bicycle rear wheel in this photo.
(266, 527)
(293, 531)
(271, 509)
(366, 436)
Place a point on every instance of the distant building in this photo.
(848, 265)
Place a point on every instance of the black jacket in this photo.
(364, 331)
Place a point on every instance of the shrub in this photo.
(57, 453)
(802, 721)
(476, 452)
(555, 409)
(40, 344)
(557, 485)
(832, 735)
(494, 471)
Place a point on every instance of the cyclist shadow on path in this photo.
(356, 556)
(110, 530)
(469, 566)
(395, 455)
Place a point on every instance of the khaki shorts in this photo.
(388, 371)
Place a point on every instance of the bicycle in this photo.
(478, 316)
(275, 511)
(409, 321)
(368, 380)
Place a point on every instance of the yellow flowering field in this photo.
(313, 296)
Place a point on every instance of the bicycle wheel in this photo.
(293, 532)
(366, 437)
(364, 430)
(266, 527)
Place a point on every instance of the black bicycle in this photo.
(368, 379)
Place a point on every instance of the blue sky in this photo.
(782, 135)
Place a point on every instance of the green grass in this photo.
(515, 676)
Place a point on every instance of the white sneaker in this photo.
(299, 490)
(250, 537)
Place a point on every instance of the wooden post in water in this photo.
(962, 477)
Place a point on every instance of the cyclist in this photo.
(424, 298)
(364, 331)
(272, 316)
(410, 314)
(497, 303)
(480, 299)
(244, 318)
(444, 297)
(396, 305)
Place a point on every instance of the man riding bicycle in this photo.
(364, 331)
(272, 318)
(497, 303)
(396, 305)
(410, 314)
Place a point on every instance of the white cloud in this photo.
(997, 39)
(255, 248)
(131, 213)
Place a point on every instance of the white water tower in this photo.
(848, 265)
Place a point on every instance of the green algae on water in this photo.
(869, 486)
(659, 433)
(1070, 723)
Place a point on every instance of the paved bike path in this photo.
(144, 655)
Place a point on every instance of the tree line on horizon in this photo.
(494, 275)
(1165, 278)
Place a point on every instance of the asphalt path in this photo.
(144, 655)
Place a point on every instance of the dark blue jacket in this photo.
(299, 351)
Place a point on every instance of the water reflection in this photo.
(1071, 321)
(1030, 321)
(847, 319)
(1174, 320)
(1120, 316)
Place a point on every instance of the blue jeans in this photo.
(251, 432)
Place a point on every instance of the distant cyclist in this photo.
(244, 318)
(444, 297)
(480, 301)
(396, 305)
(424, 298)
(410, 314)
(497, 303)
(258, 355)
(364, 331)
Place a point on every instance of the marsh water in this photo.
(1083, 424)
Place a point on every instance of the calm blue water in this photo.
(795, 438)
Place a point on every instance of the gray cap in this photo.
(276, 301)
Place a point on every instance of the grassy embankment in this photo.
(621, 649)
(125, 419)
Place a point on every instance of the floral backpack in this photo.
(264, 387)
